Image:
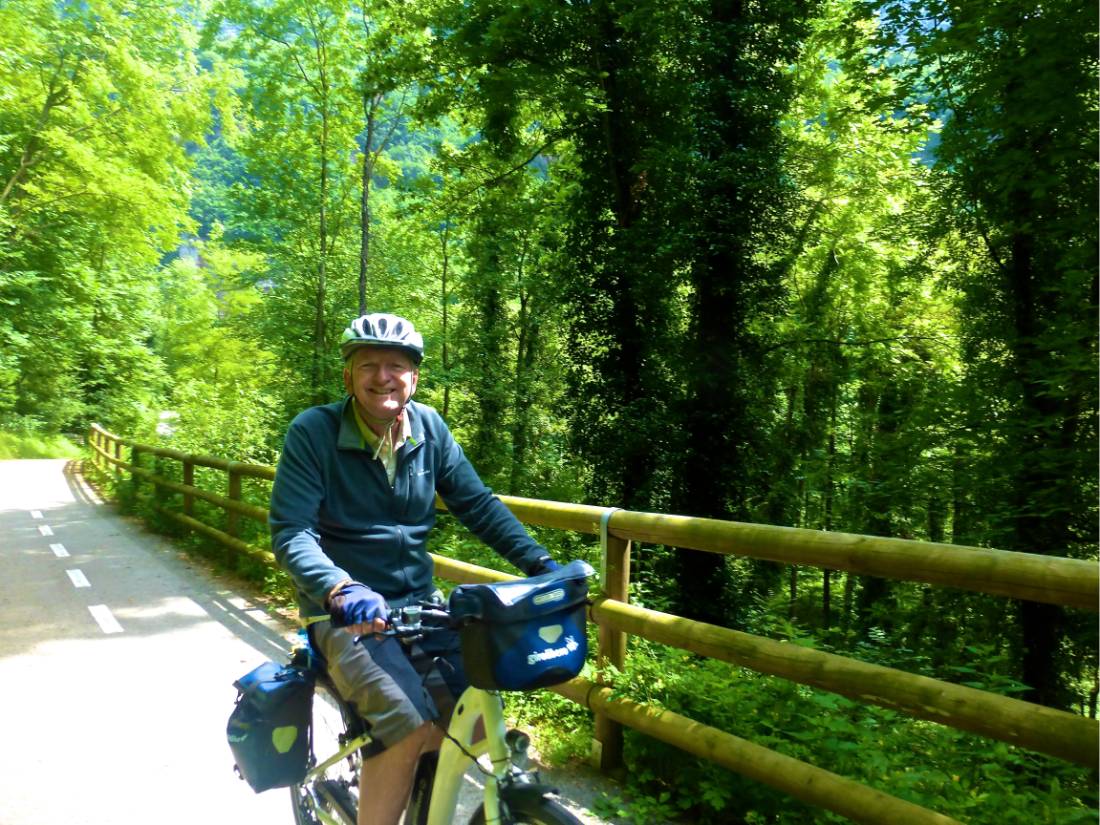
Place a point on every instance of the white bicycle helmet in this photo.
(383, 329)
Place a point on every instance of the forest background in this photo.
(820, 263)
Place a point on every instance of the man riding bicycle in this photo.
(351, 508)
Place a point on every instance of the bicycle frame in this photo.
(477, 723)
(474, 706)
(476, 727)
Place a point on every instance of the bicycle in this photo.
(512, 793)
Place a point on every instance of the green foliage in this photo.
(562, 729)
(1015, 175)
(820, 264)
(451, 539)
(29, 445)
(221, 382)
(954, 773)
(99, 105)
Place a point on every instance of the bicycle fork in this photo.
(478, 726)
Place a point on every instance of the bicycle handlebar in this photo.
(415, 620)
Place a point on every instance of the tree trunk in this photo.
(614, 316)
(317, 389)
(847, 601)
(320, 355)
(962, 528)
(714, 483)
(878, 502)
(488, 444)
(57, 95)
(793, 588)
(526, 354)
(1043, 426)
(827, 522)
(370, 109)
(444, 243)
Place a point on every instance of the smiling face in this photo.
(381, 380)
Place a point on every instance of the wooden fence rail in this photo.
(1054, 580)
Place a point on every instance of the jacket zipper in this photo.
(405, 465)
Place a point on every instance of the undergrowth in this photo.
(964, 776)
(29, 445)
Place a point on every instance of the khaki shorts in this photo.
(394, 687)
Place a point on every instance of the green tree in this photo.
(295, 200)
(1016, 87)
(392, 50)
(505, 64)
(870, 331)
(741, 214)
(101, 102)
(218, 374)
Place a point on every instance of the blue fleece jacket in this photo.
(334, 515)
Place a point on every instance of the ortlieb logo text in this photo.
(571, 644)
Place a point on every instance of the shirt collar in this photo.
(356, 435)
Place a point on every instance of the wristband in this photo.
(334, 590)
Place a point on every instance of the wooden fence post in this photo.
(118, 457)
(135, 478)
(233, 518)
(607, 748)
(189, 480)
(158, 473)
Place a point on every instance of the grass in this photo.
(37, 446)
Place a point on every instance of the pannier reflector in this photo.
(552, 596)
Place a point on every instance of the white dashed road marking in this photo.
(104, 618)
(78, 578)
(150, 608)
(36, 514)
(45, 530)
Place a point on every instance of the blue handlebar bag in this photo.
(524, 634)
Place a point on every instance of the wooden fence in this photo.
(1050, 579)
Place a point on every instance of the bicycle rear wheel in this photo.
(334, 795)
(519, 806)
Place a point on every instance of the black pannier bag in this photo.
(525, 634)
(269, 729)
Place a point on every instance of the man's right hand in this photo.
(358, 608)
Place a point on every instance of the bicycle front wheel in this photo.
(525, 808)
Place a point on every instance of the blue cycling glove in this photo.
(354, 604)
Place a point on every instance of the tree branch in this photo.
(394, 121)
(55, 96)
(495, 179)
(866, 342)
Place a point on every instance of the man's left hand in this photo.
(543, 565)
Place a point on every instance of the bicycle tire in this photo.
(528, 809)
(332, 719)
(303, 814)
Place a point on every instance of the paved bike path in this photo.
(117, 659)
(116, 667)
